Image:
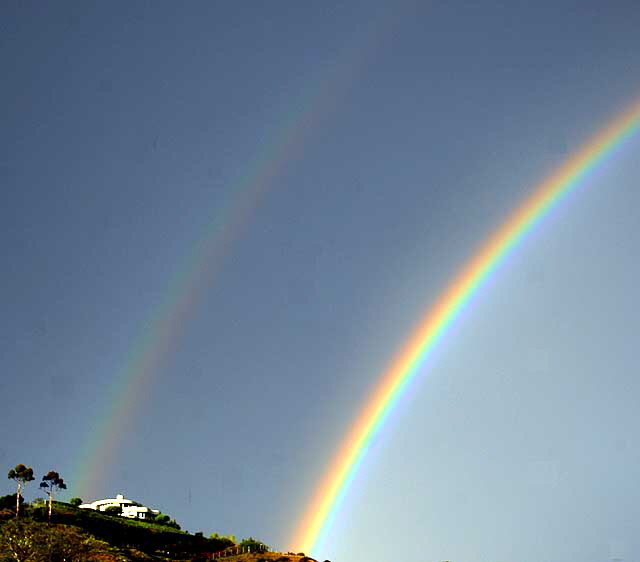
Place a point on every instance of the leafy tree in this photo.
(161, 519)
(75, 502)
(164, 520)
(225, 540)
(253, 544)
(51, 482)
(21, 474)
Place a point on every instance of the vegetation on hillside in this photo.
(25, 540)
(50, 531)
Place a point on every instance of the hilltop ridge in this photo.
(269, 557)
(81, 535)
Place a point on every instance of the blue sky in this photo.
(128, 130)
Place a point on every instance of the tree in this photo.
(75, 502)
(51, 482)
(161, 519)
(21, 474)
(224, 540)
(164, 520)
(253, 545)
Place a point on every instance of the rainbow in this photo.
(163, 326)
(330, 494)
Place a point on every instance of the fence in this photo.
(235, 550)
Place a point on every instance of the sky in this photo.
(246, 207)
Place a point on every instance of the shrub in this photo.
(39, 512)
(9, 502)
(75, 502)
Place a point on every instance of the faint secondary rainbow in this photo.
(161, 332)
(332, 490)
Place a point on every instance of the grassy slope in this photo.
(128, 534)
(267, 556)
(141, 541)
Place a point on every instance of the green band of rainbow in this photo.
(332, 490)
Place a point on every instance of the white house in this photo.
(128, 508)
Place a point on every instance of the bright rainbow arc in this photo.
(329, 496)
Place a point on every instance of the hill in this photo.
(80, 535)
(268, 557)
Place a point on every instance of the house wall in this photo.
(126, 506)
